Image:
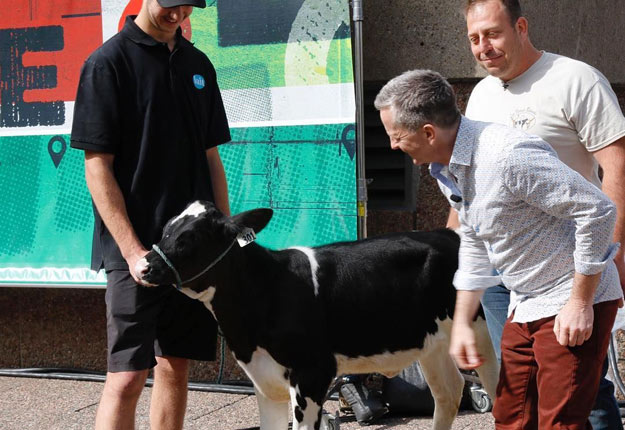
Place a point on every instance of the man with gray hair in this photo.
(531, 222)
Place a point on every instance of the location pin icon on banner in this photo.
(56, 148)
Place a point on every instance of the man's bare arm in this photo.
(463, 343)
(452, 220)
(109, 201)
(612, 161)
(218, 180)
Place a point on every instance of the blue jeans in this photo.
(605, 414)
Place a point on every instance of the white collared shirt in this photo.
(527, 220)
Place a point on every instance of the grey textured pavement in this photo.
(49, 404)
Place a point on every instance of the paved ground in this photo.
(47, 404)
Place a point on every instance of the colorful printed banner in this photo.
(285, 71)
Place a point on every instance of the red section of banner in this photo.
(81, 23)
(132, 8)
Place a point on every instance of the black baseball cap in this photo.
(174, 3)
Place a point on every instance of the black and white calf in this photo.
(279, 310)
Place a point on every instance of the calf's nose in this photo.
(141, 269)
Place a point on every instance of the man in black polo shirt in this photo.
(149, 116)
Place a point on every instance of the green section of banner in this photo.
(47, 218)
(307, 59)
(304, 173)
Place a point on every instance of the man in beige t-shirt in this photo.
(567, 103)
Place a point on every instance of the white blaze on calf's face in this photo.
(195, 209)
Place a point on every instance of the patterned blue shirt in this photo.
(526, 219)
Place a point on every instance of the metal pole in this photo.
(357, 18)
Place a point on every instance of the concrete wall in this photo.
(66, 328)
(399, 35)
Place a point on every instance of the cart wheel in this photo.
(480, 401)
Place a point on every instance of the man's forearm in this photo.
(467, 304)
(218, 180)
(584, 288)
(109, 201)
(463, 343)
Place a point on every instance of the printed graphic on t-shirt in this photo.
(524, 119)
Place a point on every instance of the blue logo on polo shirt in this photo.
(198, 81)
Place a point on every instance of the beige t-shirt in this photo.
(566, 102)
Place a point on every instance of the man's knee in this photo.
(126, 384)
(172, 368)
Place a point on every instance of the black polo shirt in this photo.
(157, 111)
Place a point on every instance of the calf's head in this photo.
(194, 242)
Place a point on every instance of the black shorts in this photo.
(143, 323)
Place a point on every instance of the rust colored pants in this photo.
(544, 385)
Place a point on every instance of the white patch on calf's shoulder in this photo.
(314, 264)
(267, 375)
(205, 296)
(194, 209)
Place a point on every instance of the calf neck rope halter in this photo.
(179, 281)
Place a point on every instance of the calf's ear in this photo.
(256, 219)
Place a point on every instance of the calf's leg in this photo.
(489, 371)
(445, 382)
(308, 391)
(273, 415)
